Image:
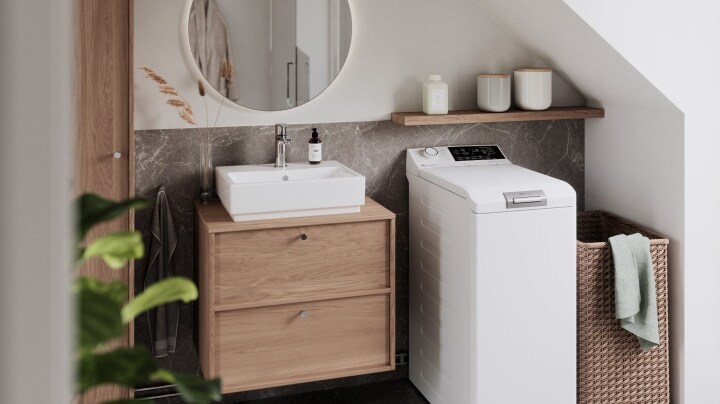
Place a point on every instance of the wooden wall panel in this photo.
(103, 82)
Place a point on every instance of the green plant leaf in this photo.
(127, 367)
(94, 209)
(196, 390)
(99, 317)
(166, 291)
(193, 389)
(116, 249)
(116, 291)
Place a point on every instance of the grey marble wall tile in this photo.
(374, 149)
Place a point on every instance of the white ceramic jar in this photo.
(493, 92)
(435, 96)
(533, 88)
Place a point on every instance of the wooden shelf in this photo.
(513, 115)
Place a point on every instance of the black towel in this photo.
(163, 320)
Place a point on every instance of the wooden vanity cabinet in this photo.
(295, 300)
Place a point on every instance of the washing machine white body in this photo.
(492, 280)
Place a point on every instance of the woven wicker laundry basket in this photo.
(611, 367)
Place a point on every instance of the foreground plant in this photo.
(104, 310)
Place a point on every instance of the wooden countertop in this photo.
(215, 219)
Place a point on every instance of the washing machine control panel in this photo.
(471, 153)
(453, 156)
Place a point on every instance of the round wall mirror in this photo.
(268, 55)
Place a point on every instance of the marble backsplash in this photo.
(374, 149)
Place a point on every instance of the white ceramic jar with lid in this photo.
(493, 92)
(533, 88)
(435, 96)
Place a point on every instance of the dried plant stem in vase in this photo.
(186, 113)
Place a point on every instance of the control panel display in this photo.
(467, 153)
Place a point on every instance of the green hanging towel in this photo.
(635, 299)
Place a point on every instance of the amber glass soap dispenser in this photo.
(315, 148)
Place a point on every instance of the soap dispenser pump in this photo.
(315, 148)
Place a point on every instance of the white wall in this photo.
(654, 157)
(678, 49)
(395, 45)
(35, 261)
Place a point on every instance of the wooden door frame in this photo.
(131, 150)
(104, 124)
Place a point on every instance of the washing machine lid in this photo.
(501, 187)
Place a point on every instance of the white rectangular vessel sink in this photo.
(257, 192)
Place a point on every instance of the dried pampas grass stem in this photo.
(184, 109)
(201, 91)
(182, 106)
(227, 70)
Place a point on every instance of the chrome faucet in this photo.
(281, 142)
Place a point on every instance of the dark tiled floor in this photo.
(390, 392)
(381, 388)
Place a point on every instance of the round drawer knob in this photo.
(117, 155)
(303, 236)
(303, 314)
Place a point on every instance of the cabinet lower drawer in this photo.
(294, 343)
(285, 265)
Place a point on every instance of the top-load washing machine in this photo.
(492, 279)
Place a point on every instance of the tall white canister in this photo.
(493, 92)
(533, 88)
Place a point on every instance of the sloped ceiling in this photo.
(560, 38)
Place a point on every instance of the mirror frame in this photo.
(197, 74)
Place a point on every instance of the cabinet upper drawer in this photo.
(272, 266)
